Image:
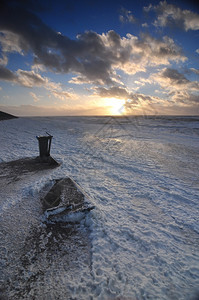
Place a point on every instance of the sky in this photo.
(99, 57)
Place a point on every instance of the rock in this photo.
(5, 116)
(65, 196)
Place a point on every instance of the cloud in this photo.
(133, 100)
(23, 78)
(37, 6)
(196, 71)
(145, 25)
(172, 80)
(10, 42)
(92, 57)
(31, 79)
(3, 60)
(171, 15)
(132, 54)
(126, 16)
(181, 102)
(158, 51)
(79, 80)
(62, 95)
(34, 96)
(180, 90)
(185, 97)
(197, 51)
(6, 74)
(116, 92)
(173, 77)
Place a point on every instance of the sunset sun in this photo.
(115, 107)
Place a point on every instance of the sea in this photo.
(142, 175)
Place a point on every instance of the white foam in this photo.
(144, 230)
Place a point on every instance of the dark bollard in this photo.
(44, 146)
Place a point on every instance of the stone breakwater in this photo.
(5, 116)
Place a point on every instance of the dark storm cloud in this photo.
(6, 74)
(86, 55)
(33, 5)
(92, 57)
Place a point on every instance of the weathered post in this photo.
(44, 147)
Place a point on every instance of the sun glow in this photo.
(115, 107)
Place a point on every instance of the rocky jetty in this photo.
(6, 116)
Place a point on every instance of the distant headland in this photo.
(5, 116)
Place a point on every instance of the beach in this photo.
(142, 239)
